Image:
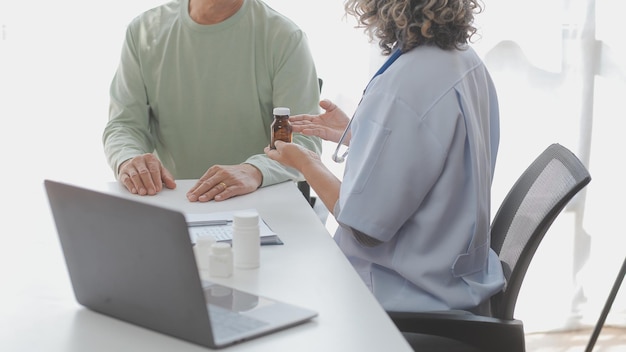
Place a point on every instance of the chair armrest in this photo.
(485, 333)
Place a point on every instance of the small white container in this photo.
(202, 251)
(246, 240)
(221, 260)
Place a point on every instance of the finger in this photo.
(214, 192)
(201, 182)
(196, 186)
(137, 182)
(145, 176)
(128, 183)
(298, 123)
(271, 153)
(154, 169)
(201, 188)
(317, 132)
(327, 105)
(299, 128)
(279, 145)
(301, 118)
(168, 179)
(228, 192)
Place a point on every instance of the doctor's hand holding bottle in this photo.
(309, 163)
(332, 125)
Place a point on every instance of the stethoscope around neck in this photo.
(341, 158)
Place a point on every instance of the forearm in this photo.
(116, 153)
(128, 131)
(325, 184)
(121, 141)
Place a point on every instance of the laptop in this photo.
(134, 261)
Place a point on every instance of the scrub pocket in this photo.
(371, 142)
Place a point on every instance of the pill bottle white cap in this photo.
(205, 240)
(280, 111)
(246, 219)
(220, 248)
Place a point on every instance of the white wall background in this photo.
(57, 60)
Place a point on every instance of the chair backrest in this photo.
(527, 212)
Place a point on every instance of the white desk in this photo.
(38, 311)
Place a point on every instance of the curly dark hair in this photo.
(447, 24)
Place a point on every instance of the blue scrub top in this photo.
(418, 178)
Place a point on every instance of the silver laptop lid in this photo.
(114, 252)
(134, 261)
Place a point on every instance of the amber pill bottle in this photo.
(280, 129)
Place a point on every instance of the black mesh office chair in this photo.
(522, 220)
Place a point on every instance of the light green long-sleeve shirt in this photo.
(200, 95)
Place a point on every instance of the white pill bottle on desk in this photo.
(221, 260)
(202, 251)
(246, 240)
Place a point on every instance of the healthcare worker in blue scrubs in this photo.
(414, 205)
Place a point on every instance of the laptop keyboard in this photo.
(227, 323)
(218, 232)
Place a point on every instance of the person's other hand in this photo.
(145, 175)
(221, 182)
(292, 155)
(329, 125)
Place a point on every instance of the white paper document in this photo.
(219, 225)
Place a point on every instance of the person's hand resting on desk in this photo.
(145, 175)
(221, 182)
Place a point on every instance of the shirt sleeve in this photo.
(127, 133)
(295, 86)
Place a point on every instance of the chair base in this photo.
(431, 343)
(455, 328)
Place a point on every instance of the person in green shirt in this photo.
(193, 97)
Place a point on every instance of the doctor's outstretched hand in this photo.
(329, 125)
